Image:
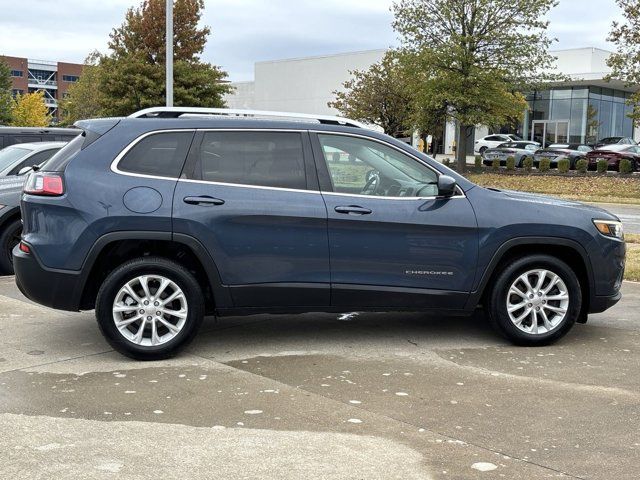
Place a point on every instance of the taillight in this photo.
(24, 247)
(45, 184)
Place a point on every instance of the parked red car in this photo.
(613, 154)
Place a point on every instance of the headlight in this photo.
(610, 228)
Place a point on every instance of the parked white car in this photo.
(492, 141)
(17, 157)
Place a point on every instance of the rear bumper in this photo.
(59, 289)
(599, 304)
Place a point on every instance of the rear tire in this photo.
(9, 238)
(150, 308)
(539, 315)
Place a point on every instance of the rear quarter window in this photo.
(266, 159)
(160, 154)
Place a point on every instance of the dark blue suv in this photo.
(157, 220)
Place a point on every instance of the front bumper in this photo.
(599, 304)
(59, 289)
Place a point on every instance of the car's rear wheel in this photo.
(149, 308)
(535, 300)
(9, 238)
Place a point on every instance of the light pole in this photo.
(169, 54)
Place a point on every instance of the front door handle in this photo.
(353, 210)
(203, 200)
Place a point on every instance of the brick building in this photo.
(54, 78)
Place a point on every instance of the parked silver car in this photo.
(518, 150)
(16, 158)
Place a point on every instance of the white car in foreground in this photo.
(492, 141)
(14, 159)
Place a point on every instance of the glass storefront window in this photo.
(580, 93)
(578, 125)
(561, 93)
(605, 118)
(561, 109)
(592, 112)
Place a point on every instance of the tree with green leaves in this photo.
(84, 98)
(378, 96)
(131, 75)
(625, 63)
(5, 93)
(475, 57)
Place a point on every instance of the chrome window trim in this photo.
(114, 164)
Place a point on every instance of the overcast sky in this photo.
(247, 31)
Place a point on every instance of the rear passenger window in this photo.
(160, 155)
(266, 159)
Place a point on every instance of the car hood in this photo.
(537, 199)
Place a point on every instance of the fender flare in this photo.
(222, 296)
(476, 295)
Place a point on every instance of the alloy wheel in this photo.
(537, 301)
(150, 310)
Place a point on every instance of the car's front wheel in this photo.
(149, 308)
(9, 238)
(535, 300)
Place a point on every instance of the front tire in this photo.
(535, 300)
(482, 150)
(9, 238)
(150, 308)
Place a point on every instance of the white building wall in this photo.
(305, 85)
(243, 96)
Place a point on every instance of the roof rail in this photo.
(177, 112)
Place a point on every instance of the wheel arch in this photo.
(113, 249)
(569, 251)
(9, 216)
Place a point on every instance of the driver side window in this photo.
(358, 166)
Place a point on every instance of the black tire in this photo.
(496, 307)
(9, 238)
(149, 266)
(482, 150)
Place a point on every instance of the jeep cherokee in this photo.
(159, 219)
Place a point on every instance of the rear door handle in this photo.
(353, 210)
(203, 200)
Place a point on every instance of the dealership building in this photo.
(53, 78)
(582, 109)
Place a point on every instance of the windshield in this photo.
(10, 155)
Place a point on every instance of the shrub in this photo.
(582, 165)
(602, 166)
(511, 163)
(478, 161)
(564, 165)
(625, 166)
(545, 165)
(446, 161)
(527, 163)
(495, 164)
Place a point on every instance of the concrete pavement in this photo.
(384, 396)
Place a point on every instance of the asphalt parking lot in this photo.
(383, 396)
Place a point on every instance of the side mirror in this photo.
(24, 170)
(446, 186)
